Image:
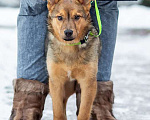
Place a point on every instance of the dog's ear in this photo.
(51, 4)
(86, 4)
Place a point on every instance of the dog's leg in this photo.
(58, 99)
(88, 92)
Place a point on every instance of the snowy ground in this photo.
(130, 73)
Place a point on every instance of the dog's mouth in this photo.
(68, 39)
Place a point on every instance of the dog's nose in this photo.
(68, 33)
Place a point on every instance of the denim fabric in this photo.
(109, 17)
(32, 31)
(32, 7)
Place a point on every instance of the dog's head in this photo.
(69, 19)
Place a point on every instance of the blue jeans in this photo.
(32, 30)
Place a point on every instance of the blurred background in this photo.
(131, 66)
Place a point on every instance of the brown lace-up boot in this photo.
(29, 99)
(102, 106)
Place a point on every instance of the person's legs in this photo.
(30, 89)
(102, 106)
(109, 17)
(32, 30)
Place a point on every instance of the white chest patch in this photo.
(69, 76)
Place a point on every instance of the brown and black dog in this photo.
(69, 22)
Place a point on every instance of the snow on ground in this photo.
(134, 17)
(130, 73)
(8, 17)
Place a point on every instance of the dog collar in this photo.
(85, 39)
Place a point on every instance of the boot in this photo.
(102, 106)
(29, 99)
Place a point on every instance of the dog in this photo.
(72, 55)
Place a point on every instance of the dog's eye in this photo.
(76, 17)
(60, 18)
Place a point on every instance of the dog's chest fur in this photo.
(71, 60)
(71, 55)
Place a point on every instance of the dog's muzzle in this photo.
(68, 33)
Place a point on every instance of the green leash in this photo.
(99, 25)
(98, 20)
